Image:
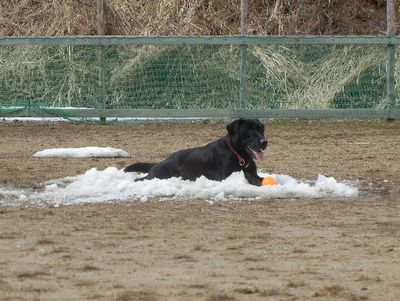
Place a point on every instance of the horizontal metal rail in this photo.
(196, 40)
(201, 113)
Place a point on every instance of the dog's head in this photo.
(247, 135)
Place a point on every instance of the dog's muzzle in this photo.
(257, 152)
(263, 143)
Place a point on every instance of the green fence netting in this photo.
(53, 77)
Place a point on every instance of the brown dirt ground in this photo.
(181, 250)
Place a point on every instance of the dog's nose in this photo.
(263, 143)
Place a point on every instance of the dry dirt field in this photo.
(194, 250)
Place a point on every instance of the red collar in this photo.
(242, 161)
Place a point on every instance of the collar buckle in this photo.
(243, 163)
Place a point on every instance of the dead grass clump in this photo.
(354, 17)
(176, 17)
(56, 17)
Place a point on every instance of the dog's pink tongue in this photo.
(258, 155)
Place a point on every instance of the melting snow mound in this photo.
(82, 152)
(112, 185)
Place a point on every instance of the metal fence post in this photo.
(101, 104)
(391, 81)
(243, 54)
(391, 59)
(243, 76)
(100, 24)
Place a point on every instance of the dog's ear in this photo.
(260, 123)
(233, 129)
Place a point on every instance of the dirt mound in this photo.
(192, 17)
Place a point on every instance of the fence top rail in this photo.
(196, 40)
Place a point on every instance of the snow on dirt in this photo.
(113, 185)
(82, 152)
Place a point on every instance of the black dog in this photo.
(217, 160)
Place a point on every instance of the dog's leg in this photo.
(253, 179)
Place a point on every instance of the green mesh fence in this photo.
(52, 77)
(317, 77)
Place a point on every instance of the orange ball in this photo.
(269, 181)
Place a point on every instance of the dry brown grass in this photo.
(192, 17)
(54, 17)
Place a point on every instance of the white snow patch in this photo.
(82, 152)
(112, 185)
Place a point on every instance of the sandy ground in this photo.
(181, 250)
